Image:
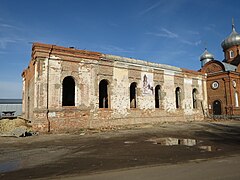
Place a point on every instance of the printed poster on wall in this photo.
(147, 83)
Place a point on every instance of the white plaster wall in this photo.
(169, 88)
(35, 104)
(120, 100)
(77, 96)
(204, 94)
(187, 99)
(23, 96)
(85, 85)
(54, 83)
(93, 88)
(201, 93)
(146, 101)
(42, 101)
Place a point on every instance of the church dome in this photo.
(231, 40)
(206, 55)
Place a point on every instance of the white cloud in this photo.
(9, 34)
(150, 8)
(169, 34)
(210, 27)
(5, 41)
(192, 43)
(198, 42)
(193, 32)
(164, 6)
(164, 33)
(8, 26)
(113, 49)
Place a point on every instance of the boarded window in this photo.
(68, 96)
(157, 96)
(103, 94)
(133, 101)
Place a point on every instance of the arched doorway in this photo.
(217, 110)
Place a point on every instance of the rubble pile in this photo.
(14, 127)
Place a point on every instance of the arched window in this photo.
(178, 98)
(236, 99)
(103, 94)
(157, 96)
(194, 98)
(133, 89)
(68, 95)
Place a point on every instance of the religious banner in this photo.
(147, 83)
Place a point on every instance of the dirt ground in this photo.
(49, 156)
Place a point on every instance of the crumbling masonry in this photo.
(67, 89)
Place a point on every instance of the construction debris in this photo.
(16, 127)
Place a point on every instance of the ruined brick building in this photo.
(66, 89)
(223, 77)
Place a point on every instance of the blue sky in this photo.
(173, 32)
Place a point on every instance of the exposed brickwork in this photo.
(212, 66)
(50, 65)
(228, 86)
(235, 50)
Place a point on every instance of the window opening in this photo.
(133, 88)
(157, 96)
(177, 94)
(236, 99)
(68, 98)
(194, 98)
(103, 94)
(231, 54)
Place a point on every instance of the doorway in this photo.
(217, 110)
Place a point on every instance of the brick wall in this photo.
(54, 63)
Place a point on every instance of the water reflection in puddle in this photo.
(185, 142)
(130, 142)
(173, 141)
(9, 166)
(207, 148)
